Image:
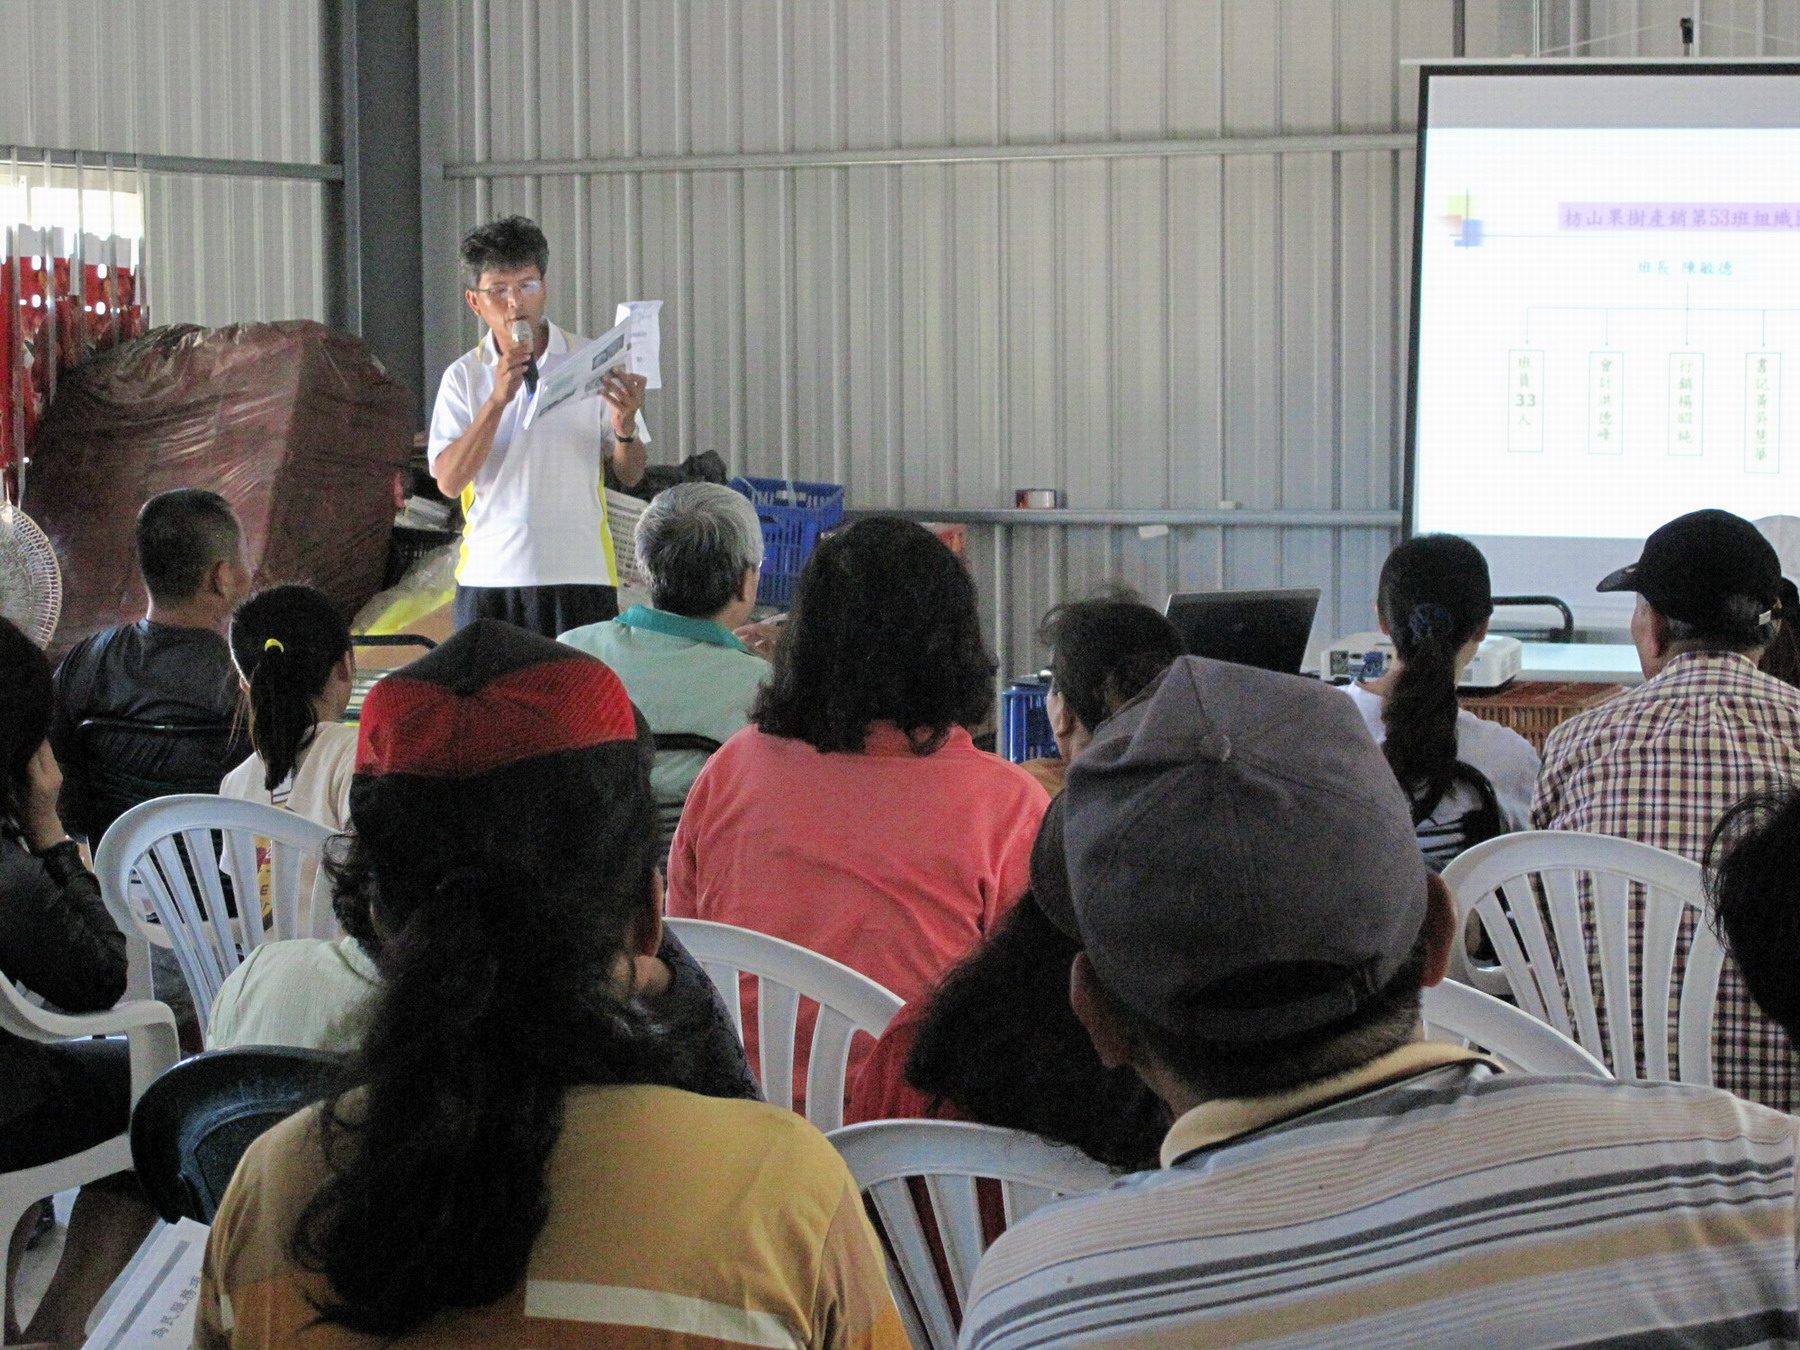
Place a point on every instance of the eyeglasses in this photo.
(523, 289)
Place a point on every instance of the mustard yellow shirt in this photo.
(676, 1221)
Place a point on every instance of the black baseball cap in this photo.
(1695, 565)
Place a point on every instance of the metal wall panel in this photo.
(1724, 28)
(233, 250)
(225, 79)
(220, 78)
(1144, 330)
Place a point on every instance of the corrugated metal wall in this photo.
(1140, 324)
(228, 79)
(1652, 27)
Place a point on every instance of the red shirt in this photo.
(880, 1091)
(895, 864)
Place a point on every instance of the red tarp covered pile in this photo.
(298, 427)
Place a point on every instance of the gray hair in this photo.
(695, 540)
(1741, 623)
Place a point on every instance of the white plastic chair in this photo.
(160, 856)
(848, 1000)
(950, 1157)
(1514, 882)
(149, 1029)
(1455, 1012)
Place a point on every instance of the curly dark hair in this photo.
(1000, 1043)
(1755, 898)
(884, 629)
(503, 903)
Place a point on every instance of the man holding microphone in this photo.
(536, 551)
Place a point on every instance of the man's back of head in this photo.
(702, 545)
(1706, 581)
(1256, 924)
(183, 537)
(1250, 899)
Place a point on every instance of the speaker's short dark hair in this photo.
(504, 246)
(181, 536)
(1263, 1068)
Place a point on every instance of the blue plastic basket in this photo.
(793, 516)
(1024, 721)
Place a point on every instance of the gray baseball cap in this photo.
(1242, 864)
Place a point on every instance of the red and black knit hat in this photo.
(489, 698)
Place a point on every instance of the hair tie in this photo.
(1429, 621)
(274, 645)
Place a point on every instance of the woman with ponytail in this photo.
(1467, 778)
(514, 1158)
(294, 662)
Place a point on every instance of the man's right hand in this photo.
(511, 373)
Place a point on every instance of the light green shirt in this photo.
(685, 675)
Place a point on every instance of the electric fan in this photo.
(30, 580)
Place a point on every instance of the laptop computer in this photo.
(1266, 629)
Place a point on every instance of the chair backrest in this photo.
(848, 1001)
(162, 859)
(1455, 1012)
(668, 814)
(1442, 842)
(1561, 909)
(109, 745)
(950, 1157)
(189, 1130)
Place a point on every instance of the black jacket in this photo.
(56, 939)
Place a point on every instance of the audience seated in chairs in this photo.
(1468, 779)
(1662, 763)
(998, 1044)
(702, 546)
(1102, 652)
(318, 995)
(855, 816)
(57, 940)
(1257, 923)
(517, 1155)
(295, 665)
(159, 697)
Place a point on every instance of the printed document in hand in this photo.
(579, 376)
(154, 1305)
(644, 318)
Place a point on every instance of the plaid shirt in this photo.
(1660, 764)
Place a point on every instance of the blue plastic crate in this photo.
(793, 516)
(1025, 722)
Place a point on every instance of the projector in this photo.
(1365, 656)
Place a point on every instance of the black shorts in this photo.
(88, 1103)
(550, 610)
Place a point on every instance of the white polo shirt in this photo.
(536, 513)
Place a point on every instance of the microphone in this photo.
(521, 333)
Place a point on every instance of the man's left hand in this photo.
(626, 394)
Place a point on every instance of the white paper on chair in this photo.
(644, 318)
(154, 1308)
(579, 376)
